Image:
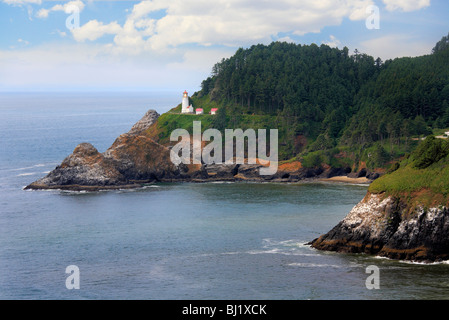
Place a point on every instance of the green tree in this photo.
(430, 151)
(445, 117)
(323, 142)
(220, 120)
(377, 157)
(441, 45)
(335, 98)
(420, 126)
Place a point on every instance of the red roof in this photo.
(199, 109)
(185, 91)
(214, 109)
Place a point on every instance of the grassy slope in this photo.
(341, 156)
(173, 119)
(427, 186)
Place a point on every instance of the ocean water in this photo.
(169, 241)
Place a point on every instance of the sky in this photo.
(160, 45)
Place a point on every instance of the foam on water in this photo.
(313, 265)
(27, 174)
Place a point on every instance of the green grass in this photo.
(426, 187)
(205, 103)
(169, 122)
(422, 177)
(235, 119)
(409, 180)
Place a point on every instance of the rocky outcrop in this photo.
(222, 171)
(85, 166)
(387, 226)
(143, 124)
(132, 159)
(139, 158)
(129, 162)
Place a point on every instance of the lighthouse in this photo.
(186, 107)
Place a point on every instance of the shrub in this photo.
(429, 151)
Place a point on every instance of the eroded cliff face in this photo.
(387, 226)
(85, 166)
(138, 157)
(132, 159)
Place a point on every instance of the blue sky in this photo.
(172, 45)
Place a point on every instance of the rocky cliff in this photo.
(405, 213)
(135, 159)
(388, 226)
(132, 159)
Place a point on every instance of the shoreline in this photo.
(345, 179)
(143, 183)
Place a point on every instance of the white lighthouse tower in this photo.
(186, 107)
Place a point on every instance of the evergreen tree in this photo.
(445, 117)
(441, 45)
(331, 97)
(220, 120)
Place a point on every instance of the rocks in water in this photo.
(132, 159)
(250, 172)
(221, 171)
(386, 226)
(84, 167)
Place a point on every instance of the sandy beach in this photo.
(344, 179)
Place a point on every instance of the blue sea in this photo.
(179, 241)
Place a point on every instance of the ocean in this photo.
(180, 241)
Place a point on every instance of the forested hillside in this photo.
(314, 87)
(330, 106)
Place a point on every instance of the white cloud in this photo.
(395, 46)
(67, 7)
(406, 5)
(333, 42)
(89, 65)
(286, 39)
(43, 13)
(62, 34)
(182, 46)
(227, 22)
(235, 23)
(20, 2)
(25, 42)
(94, 30)
(199, 60)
